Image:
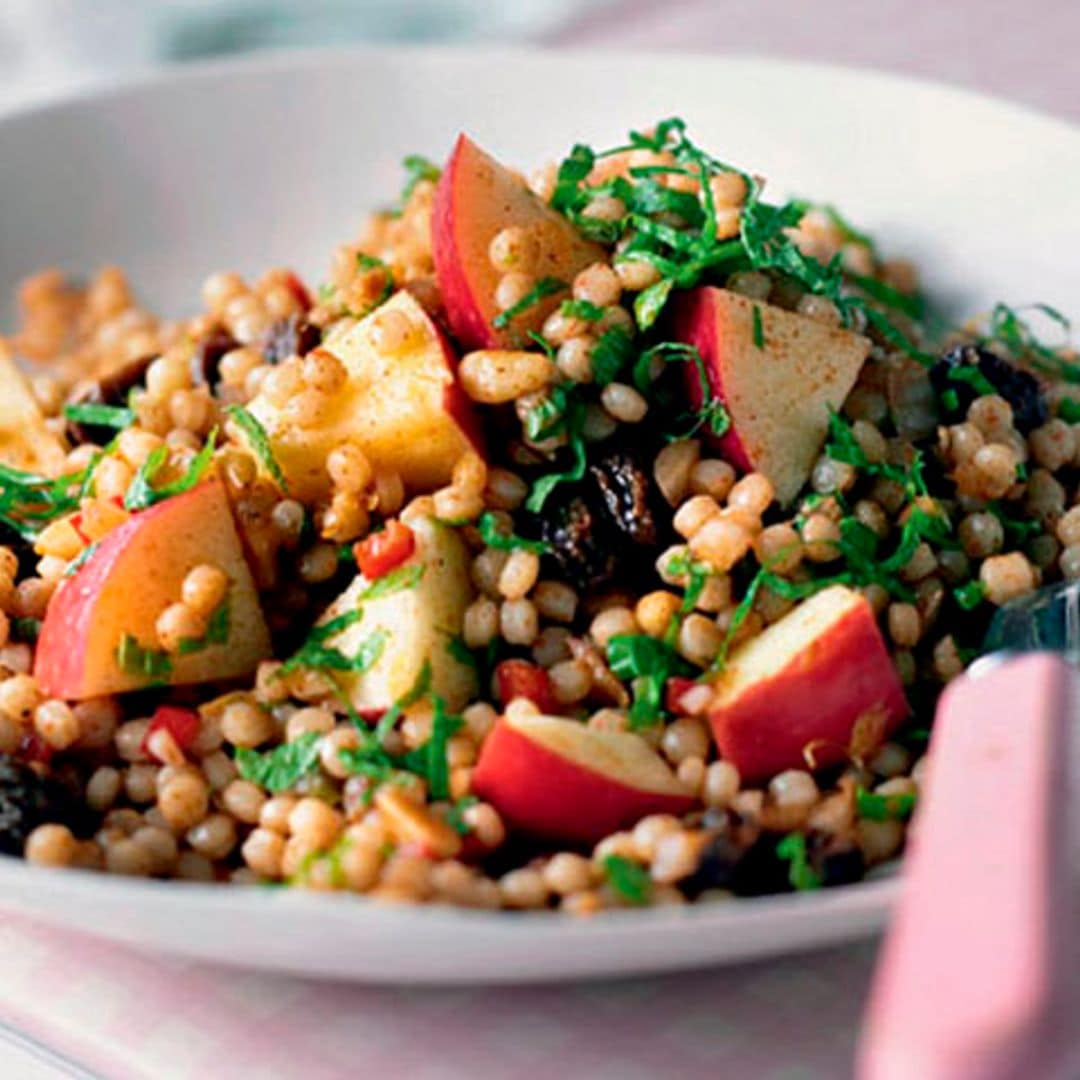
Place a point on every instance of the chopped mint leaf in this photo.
(142, 492)
(25, 629)
(249, 424)
(281, 768)
(612, 352)
(650, 302)
(581, 309)
(970, 374)
(1069, 411)
(628, 880)
(801, 875)
(647, 663)
(417, 168)
(76, 564)
(759, 329)
(153, 665)
(112, 416)
(545, 287)
(970, 595)
(495, 537)
(217, 631)
(429, 760)
(455, 818)
(397, 580)
(875, 807)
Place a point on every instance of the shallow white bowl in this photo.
(275, 161)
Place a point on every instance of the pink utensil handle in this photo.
(970, 983)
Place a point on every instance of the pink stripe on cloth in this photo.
(130, 1015)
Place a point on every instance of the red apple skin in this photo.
(119, 589)
(541, 793)
(695, 323)
(815, 699)
(475, 198)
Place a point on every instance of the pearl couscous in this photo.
(529, 560)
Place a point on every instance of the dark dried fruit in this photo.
(206, 359)
(837, 860)
(294, 336)
(608, 527)
(580, 542)
(111, 389)
(1019, 388)
(27, 801)
(626, 490)
(718, 866)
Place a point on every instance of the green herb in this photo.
(1013, 333)
(628, 880)
(418, 690)
(970, 374)
(613, 351)
(151, 664)
(417, 168)
(1069, 410)
(112, 416)
(544, 288)
(801, 875)
(650, 302)
(875, 807)
(28, 501)
(455, 816)
(759, 329)
(429, 760)
(697, 575)
(370, 262)
(142, 492)
(461, 652)
(647, 663)
(249, 423)
(970, 595)
(25, 629)
(950, 400)
(217, 632)
(572, 421)
(496, 537)
(581, 309)
(317, 656)
(281, 768)
(399, 579)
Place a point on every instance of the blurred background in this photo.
(1017, 51)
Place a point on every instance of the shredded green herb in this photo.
(142, 492)
(876, 807)
(429, 760)
(544, 288)
(647, 663)
(581, 309)
(153, 665)
(759, 329)
(217, 632)
(249, 424)
(970, 595)
(612, 353)
(628, 880)
(112, 416)
(417, 168)
(496, 537)
(25, 629)
(283, 767)
(455, 816)
(801, 875)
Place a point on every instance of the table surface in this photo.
(77, 1007)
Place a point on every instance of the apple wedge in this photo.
(417, 625)
(405, 410)
(477, 198)
(98, 635)
(777, 373)
(25, 441)
(561, 781)
(805, 680)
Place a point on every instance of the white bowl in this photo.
(249, 165)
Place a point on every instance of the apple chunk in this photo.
(778, 375)
(475, 200)
(418, 625)
(135, 572)
(561, 781)
(404, 409)
(806, 679)
(25, 442)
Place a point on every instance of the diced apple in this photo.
(420, 622)
(475, 200)
(405, 410)
(561, 781)
(777, 373)
(805, 682)
(25, 441)
(135, 573)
